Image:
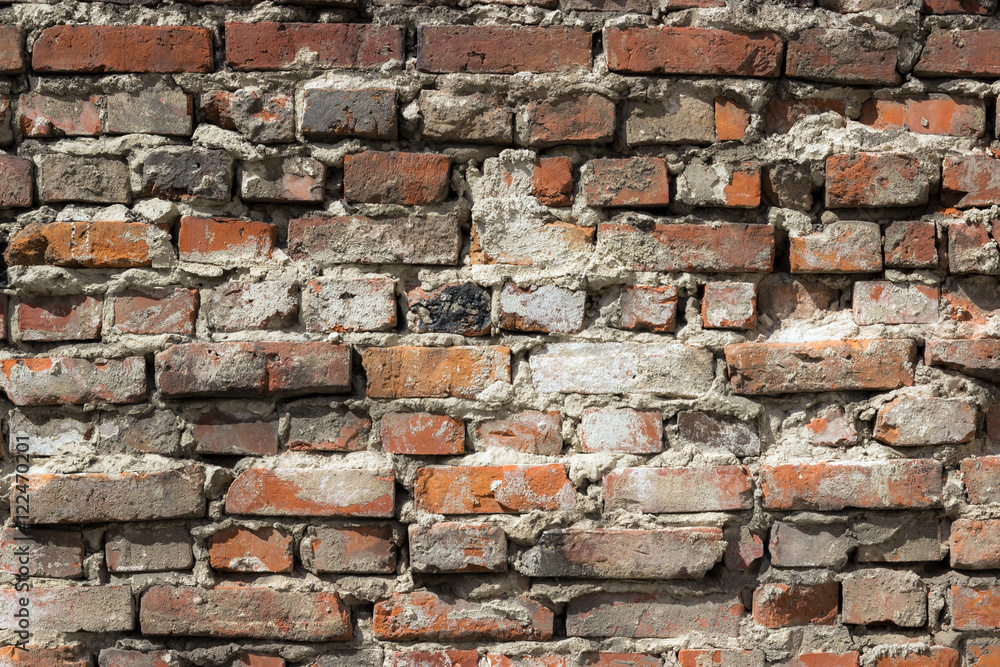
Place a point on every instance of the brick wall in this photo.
(501, 333)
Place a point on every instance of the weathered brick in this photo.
(350, 658)
(502, 49)
(647, 308)
(975, 545)
(260, 116)
(127, 496)
(155, 432)
(134, 549)
(291, 46)
(608, 553)
(884, 596)
(825, 545)
(529, 431)
(670, 490)
(235, 306)
(884, 302)
(849, 659)
(852, 6)
(351, 304)
(276, 180)
(433, 372)
(898, 484)
(103, 49)
(243, 611)
(12, 51)
(933, 114)
(430, 239)
(975, 607)
(456, 658)
(368, 113)
(306, 368)
(980, 652)
(428, 616)
(722, 247)
(719, 184)
(743, 548)
(844, 56)
(958, 6)
(168, 311)
(450, 546)
(782, 113)
(729, 306)
(874, 179)
(312, 492)
(226, 242)
(327, 428)
(911, 245)
(919, 421)
(68, 178)
(621, 430)
(110, 657)
(413, 179)
(787, 185)
(581, 119)
(72, 655)
(970, 180)
(676, 119)
(641, 615)
(509, 489)
(56, 318)
(61, 380)
(17, 187)
(239, 549)
(188, 174)
(779, 368)
(219, 432)
(979, 358)
(355, 549)
(552, 181)
(885, 538)
(422, 434)
(157, 111)
(731, 120)
(637, 181)
(91, 245)
(912, 656)
(783, 605)
(710, 433)
(972, 249)
(459, 308)
(959, 53)
(688, 657)
(101, 609)
(670, 50)
(50, 553)
(49, 116)
(832, 428)
(979, 475)
(474, 118)
(542, 308)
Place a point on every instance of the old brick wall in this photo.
(500, 333)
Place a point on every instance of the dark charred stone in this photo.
(459, 308)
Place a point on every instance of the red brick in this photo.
(981, 653)
(62, 380)
(911, 245)
(884, 596)
(552, 181)
(281, 46)
(781, 114)
(430, 239)
(434, 372)
(73, 609)
(725, 247)
(449, 546)
(898, 484)
(422, 434)
(642, 615)
(530, 431)
(73, 655)
(431, 617)
(50, 553)
(874, 179)
(621, 430)
(935, 114)
(975, 545)
(11, 50)
(731, 120)
(849, 659)
(922, 421)
(931, 656)
(131, 548)
(58, 318)
(783, 605)
(414, 179)
(729, 306)
(312, 492)
(89, 245)
(980, 476)
(979, 358)
(542, 308)
(511, 489)
(127, 496)
(456, 658)
(102, 49)
(17, 187)
(647, 308)
(243, 611)
(959, 53)
(726, 657)
(840, 365)
(884, 302)
(637, 181)
(970, 180)
(583, 119)
(496, 660)
(670, 490)
(975, 608)
(502, 49)
(47, 116)
(239, 549)
(173, 311)
(221, 433)
(670, 50)
(843, 56)
(306, 368)
(354, 549)
(225, 241)
(958, 6)
(719, 184)
(972, 249)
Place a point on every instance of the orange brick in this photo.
(731, 120)
(493, 489)
(552, 181)
(239, 549)
(427, 616)
(429, 372)
(783, 605)
(225, 241)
